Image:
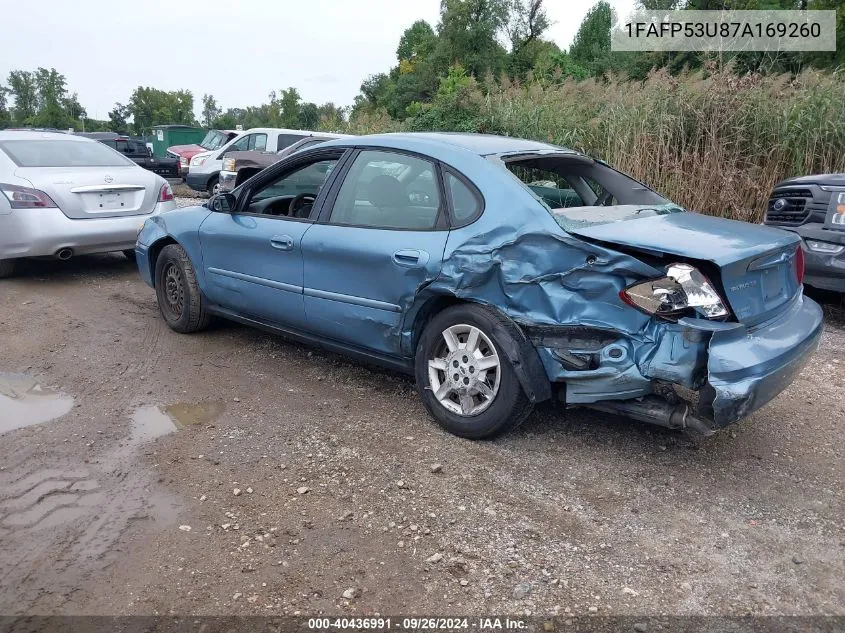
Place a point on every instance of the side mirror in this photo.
(222, 203)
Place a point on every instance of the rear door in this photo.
(379, 239)
(86, 179)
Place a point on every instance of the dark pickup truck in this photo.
(137, 151)
(814, 208)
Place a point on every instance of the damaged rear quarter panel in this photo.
(516, 258)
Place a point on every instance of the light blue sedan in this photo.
(500, 272)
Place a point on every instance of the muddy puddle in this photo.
(25, 402)
(151, 422)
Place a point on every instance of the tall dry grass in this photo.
(711, 141)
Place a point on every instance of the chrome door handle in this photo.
(282, 242)
(410, 258)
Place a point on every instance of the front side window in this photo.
(293, 193)
(59, 153)
(388, 190)
(241, 145)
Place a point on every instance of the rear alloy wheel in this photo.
(179, 297)
(8, 267)
(465, 381)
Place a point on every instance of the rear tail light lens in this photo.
(683, 289)
(799, 264)
(26, 198)
(166, 193)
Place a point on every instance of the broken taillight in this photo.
(682, 290)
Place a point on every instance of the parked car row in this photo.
(499, 273)
(204, 170)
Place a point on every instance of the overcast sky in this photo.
(237, 50)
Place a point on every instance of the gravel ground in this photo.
(300, 482)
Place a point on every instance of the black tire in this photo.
(180, 300)
(8, 267)
(129, 254)
(508, 408)
(212, 183)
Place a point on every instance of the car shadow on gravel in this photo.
(55, 271)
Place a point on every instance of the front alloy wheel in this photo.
(464, 373)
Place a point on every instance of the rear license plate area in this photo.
(774, 284)
(109, 201)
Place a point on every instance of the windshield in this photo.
(215, 139)
(579, 191)
(58, 153)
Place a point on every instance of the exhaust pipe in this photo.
(657, 411)
(64, 254)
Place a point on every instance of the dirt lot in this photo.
(299, 482)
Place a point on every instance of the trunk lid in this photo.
(756, 263)
(96, 192)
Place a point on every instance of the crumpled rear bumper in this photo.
(695, 373)
(747, 368)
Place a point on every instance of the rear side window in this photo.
(390, 191)
(465, 204)
(58, 153)
(286, 140)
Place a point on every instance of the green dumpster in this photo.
(165, 136)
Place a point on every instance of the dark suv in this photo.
(814, 208)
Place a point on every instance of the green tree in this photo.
(417, 42)
(591, 46)
(309, 116)
(25, 93)
(117, 118)
(210, 111)
(526, 24)
(150, 106)
(5, 115)
(468, 35)
(289, 108)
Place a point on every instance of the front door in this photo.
(376, 244)
(253, 255)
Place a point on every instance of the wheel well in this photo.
(427, 312)
(155, 251)
(527, 364)
(213, 179)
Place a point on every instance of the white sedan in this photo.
(65, 195)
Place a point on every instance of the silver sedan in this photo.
(64, 195)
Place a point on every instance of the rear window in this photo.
(49, 153)
(581, 192)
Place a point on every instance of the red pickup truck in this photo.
(215, 139)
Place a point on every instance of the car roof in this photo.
(29, 135)
(481, 144)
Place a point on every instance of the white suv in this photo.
(204, 172)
